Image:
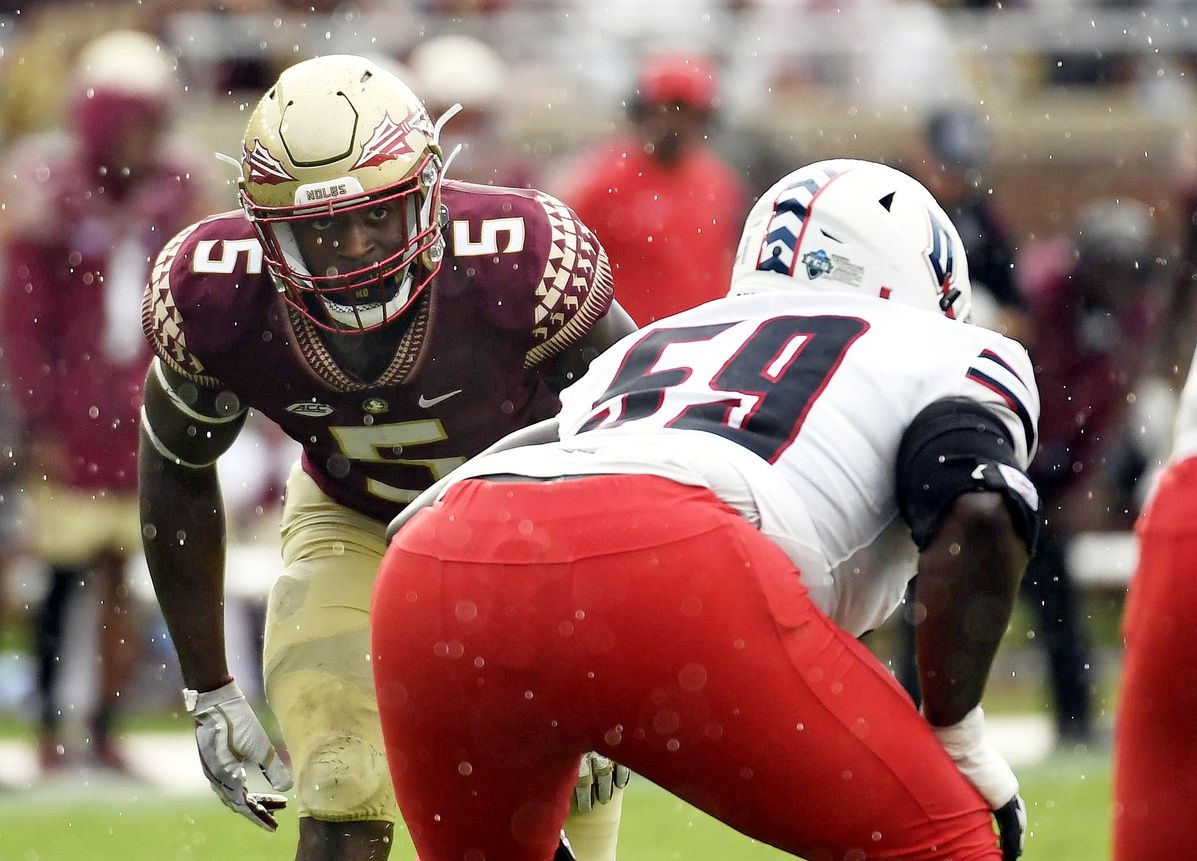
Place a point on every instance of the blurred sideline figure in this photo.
(1091, 322)
(86, 213)
(950, 157)
(661, 578)
(666, 207)
(462, 70)
(1155, 732)
(391, 321)
(951, 160)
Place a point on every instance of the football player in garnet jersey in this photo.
(394, 323)
(664, 578)
(85, 212)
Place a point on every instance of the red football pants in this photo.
(517, 625)
(1155, 737)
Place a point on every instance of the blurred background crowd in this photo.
(1056, 134)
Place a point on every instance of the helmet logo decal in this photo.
(817, 263)
(943, 264)
(263, 167)
(389, 139)
(783, 234)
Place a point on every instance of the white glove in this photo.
(228, 735)
(598, 778)
(985, 769)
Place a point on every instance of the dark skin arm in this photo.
(572, 364)
(968, 580)
(182, 516)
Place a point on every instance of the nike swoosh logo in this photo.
(425, 403)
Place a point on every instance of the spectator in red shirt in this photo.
(86, 213)
(665, 206)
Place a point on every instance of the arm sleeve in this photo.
(956, 446)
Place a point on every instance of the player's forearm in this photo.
(183, 534)
(968, 581)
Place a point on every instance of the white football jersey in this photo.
(791, 406)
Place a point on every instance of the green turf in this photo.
(1068, 797)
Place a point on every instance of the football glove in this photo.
(985, 769)
(229, 736)
(598, 778)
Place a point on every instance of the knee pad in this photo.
(344, 778)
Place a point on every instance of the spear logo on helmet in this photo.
(389, 140)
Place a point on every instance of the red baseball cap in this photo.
(687, 79)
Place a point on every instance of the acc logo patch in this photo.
(315, 409)
(817, 263)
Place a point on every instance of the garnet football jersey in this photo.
(521, 281)
(791, 406)
(75, 262)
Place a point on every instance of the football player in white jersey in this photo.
(662, 577)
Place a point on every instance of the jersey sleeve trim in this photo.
(992, 372)
(576, 288)
(163, 323)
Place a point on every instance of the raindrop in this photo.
(337, 465)
(613, 736)
(465, 769)
(691, 606)
(692, 677)
(673, 744)
(528, 695)
(466, 611)
(227, 403)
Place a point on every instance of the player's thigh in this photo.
(316, 661)
(1155, 742)
(476, 769)
(728, 687)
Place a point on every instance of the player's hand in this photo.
(985, 769)
(598, 778)
(229, 737)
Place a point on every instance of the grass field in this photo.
(1067, 796)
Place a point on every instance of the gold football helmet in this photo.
(335, 136)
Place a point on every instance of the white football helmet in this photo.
(335, 135)
(850, 226)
